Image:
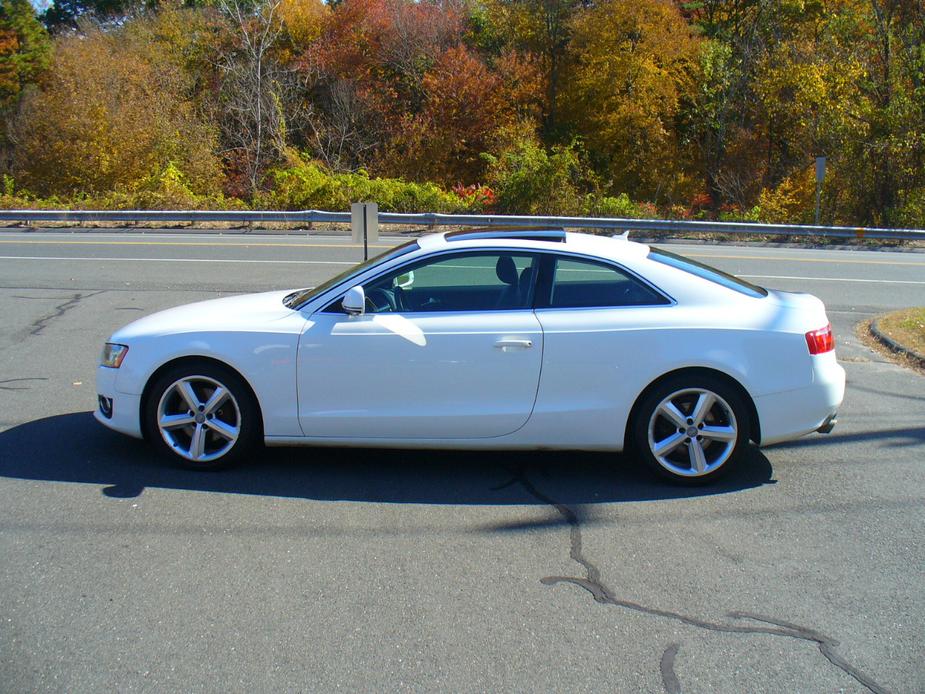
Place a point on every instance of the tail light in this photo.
(820, 341)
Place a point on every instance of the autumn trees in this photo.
(633, 63)
(113, 111)
(253, 89)
(25, 49)
(785, 81)
(713, 107)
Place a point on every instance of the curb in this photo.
(893, 345)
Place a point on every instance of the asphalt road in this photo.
(326, 570)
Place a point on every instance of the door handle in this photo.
(523, 344)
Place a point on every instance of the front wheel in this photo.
(202, 415)
(691, 429)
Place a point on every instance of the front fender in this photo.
(266, 361)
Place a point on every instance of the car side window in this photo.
(482, 281)
(581, 283)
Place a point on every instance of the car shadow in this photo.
(75, 448)
(891, 438)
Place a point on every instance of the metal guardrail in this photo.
(660, 225)
(430, 219)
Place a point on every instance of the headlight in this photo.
(113, 355)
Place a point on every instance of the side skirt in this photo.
(431, 444)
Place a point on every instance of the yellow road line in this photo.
(189, 243)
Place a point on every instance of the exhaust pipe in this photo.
(828, 424)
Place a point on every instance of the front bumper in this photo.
(125, 409)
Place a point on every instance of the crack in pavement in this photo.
(603, 595)
(18, 380)
(40, 324)
(669, 678)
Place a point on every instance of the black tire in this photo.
(687, 447)
(222, 429)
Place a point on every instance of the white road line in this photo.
(182, 260)
(830, 279)
(349, 262)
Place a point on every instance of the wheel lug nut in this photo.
(690, 421)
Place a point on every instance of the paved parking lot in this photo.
(336, 570)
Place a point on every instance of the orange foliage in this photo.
(9, 72)
(375, 54)
(109, 118)
(464, 104)
(387, 43)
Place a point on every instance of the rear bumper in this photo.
(125, 409)
(794, 413)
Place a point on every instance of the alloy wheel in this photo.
(199, 418)
(692, 432)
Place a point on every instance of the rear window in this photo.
(708, 273)
(588, 284)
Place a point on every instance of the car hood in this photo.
(244, 313)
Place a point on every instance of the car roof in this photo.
(537, 238)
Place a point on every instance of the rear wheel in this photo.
(202, 415)
(691, 429)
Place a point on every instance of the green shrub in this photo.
(752, 214)
(620, 206)
(792, 201)
(311, 186)
(528, 179)
(912, 212)
(303, 187)
(168, 190)
(396, 195)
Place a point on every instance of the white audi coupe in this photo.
(517, 339)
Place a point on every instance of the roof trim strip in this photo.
(524, 234)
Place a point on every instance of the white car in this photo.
(530, 339)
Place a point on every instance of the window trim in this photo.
(708, 273)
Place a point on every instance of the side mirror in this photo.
(354, 301)
(404, 281)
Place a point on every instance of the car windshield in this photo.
(297, 299)
(707, 272)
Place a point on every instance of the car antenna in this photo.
(625, 235)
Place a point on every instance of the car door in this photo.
(449, 348)
(600, 338)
